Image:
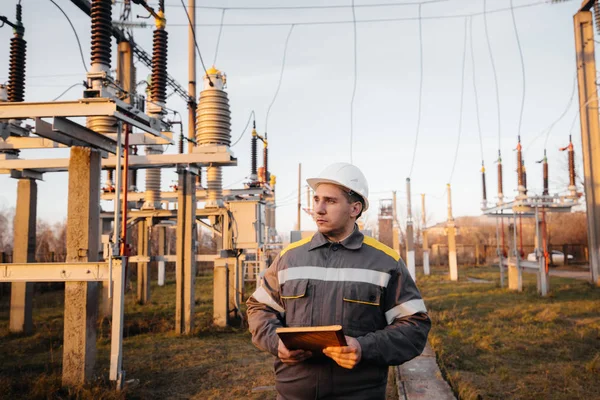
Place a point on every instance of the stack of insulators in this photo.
(159, 66)
(101, 32)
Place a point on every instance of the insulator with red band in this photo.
(483, 182)
(545, 172)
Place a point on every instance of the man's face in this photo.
(333, 212)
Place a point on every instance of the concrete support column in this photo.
(162, 234)
(410, 251)
(21, 293)
(426, 270)
(185, 269)
(543, 281)
(143, 268)
(514, 272)
(590, 131)
(452, 261)
(451, 228)
(106, 304)
(81, 298)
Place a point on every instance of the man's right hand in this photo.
(292, 356)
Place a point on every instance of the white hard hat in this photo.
(345, 175)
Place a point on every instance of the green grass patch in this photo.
(211, 364)
(493, 343)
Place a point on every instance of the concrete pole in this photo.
(185, 269)
(590, 132)
(426, 270)
(395, 236)
(162, 234)
(191, 75)
(298, 223)
(81, 298)
(21, 293)
(410, 241)
(543, 282)
(143, 268)
(451, 227)
(514, 277)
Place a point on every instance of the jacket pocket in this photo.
(298, 303)
(362, 307)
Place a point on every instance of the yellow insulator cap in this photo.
(212, 71)
(273, 180)
(483, 169)
(161, 22)
(265, 143)
(254, 133)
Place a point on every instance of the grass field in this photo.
(496, 344)
(490, 344)
(213, 363)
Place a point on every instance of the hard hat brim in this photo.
(314, 182)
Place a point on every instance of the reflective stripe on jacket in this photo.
(360, 284)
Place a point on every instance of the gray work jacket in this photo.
(360, 284)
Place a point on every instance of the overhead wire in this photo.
(549, 128)
(263, 8)
(245, 128)
(475, 89)
(370, 21)
(489, 46)
(75, 32)
(219, 36)
(195, 41)
(285, 49)
(67, 89)
(462, 95)
(420, 96)
(353, 84)
(512, 12)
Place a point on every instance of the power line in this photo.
(67, 89)
(195, 41)
(433, 17)
(354, 83)
(75, 32)
(245, 128)
(487, 38)
(548, 130)
(475, 89)
(311, 7)
(512, 11)
(412, 164)
(285, 48)
(219, 36)
(462, 93)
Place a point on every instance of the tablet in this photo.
(313, 338)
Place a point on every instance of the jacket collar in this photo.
(352, 242)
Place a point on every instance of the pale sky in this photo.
(309, 122)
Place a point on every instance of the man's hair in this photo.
(353, 197)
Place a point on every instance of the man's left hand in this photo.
(345, 356)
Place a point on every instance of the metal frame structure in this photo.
(530, 206)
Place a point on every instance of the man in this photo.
(339, 277)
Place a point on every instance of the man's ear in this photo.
(356, 209)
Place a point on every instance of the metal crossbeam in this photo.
(135, 162)
(55, 272)
(78, 132)
(200, 194)
(23, 143)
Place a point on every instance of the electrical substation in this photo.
(120, 123)
(127, 130)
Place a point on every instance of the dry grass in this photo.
(492, 343)
(213, 363)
